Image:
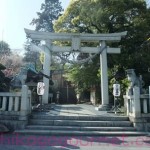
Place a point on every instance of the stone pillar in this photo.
(149, 101)
(137, 104)
(25, 107)
(16, 103)
(10, 107)
(127, 107)
(104, 79)
(46, 71)
(4, 103)
(24, 99)
(145, 106)
(93, 96)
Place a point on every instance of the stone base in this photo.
(141, 123)
(103, 108)
(14, 124)
(3, 128)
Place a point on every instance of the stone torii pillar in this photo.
(104, 78)
(46, 66)
(46, 71)
(76, 40)
(104, 75)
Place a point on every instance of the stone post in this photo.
(145, 106)
(16, 103)
(24, 100)
(93, 96)
(149, 100)
(127, 107)
(137, 104)
(10, 107)
(29, 101)
(46, 71)
(4, 103)
(126, 103)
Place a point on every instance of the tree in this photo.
(51, 10)
(81, 75)
(2, 79)
(4, 48)
(13, 63)
(4, 52)
(32, 57)
(110, 16)
(10, 64)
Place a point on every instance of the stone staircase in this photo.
(42, 124)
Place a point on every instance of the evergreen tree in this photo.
(4, 48)
(50, 11)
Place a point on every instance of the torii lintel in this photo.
(40, 35)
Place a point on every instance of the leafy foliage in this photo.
(110, 16)
(51, 10)
(32, 57)
(4, 48)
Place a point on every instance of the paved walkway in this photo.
(72, 110)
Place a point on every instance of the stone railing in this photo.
(144, 107)
(138, 109)
(15, 107)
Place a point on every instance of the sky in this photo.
(15, 15)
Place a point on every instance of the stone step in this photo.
(78, 133)
(81, 123)
(88, 118)
(75, 128)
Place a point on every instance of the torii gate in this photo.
(76, 40)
